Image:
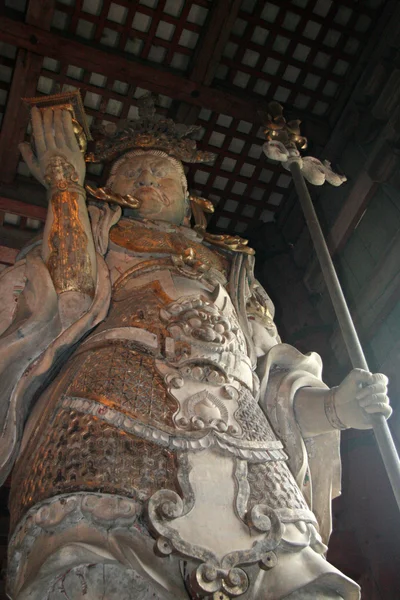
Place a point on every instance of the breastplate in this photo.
(153, 399)
(144, 238)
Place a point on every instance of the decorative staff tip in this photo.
(284, 142)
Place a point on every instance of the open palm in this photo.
(55, 141)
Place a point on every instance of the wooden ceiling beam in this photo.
(24, 84)
(207, 56)
(209, 51)
(118, 66)
(22, 209)
(40, 13)
(13, 237)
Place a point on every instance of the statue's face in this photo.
(156, 183)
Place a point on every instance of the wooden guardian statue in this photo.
(164, 442)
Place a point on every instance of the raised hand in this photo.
(58, 161)
(359, 395)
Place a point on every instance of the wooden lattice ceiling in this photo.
(211, 62)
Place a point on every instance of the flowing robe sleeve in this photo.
(315, 461)
(33, 342)
(283, 370)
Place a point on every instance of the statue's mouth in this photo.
(152, 193)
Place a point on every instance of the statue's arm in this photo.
(68, 249)
(348, 405)
(318, 410)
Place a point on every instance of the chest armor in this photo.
(140, 238)
(158, 400)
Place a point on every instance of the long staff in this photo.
(284, 140)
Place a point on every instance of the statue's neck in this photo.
(166, 226)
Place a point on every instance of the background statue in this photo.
(167, 444)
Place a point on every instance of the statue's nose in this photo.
(146, 178)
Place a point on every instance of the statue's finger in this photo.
(38, 131)
(369, 390)
(48, 124)
(31, 160)
(27, 153)
(373, 399)
(69, 131)
(383, 409)
(362, 377)
(59, 129)
(380, 378)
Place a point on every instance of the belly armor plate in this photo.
(162, 411)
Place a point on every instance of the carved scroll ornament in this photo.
(214, 574)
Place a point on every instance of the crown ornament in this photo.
(149, 132)
(277, 129)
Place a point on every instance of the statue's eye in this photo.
(159, 172)
(131, 174)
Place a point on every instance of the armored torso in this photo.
(158, 405)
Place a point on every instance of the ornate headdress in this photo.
(149, 132)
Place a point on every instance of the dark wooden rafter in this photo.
(216, 36)
(112, 64)
(209, 51)
(22, 209)
(26, 73)
(15, 237)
